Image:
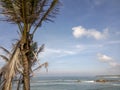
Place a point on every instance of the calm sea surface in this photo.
(72, 83)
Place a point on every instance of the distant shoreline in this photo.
(117, 76)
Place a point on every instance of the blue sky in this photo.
(83, 40)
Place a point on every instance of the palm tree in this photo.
(26, 14)
(13, 68)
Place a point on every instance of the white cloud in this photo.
(59, 51)
(68, 52)
(51, 53)
(113, 64)
(52, 50)
(80, 47)
(80, 31)
(109, 60)
(88, 47)
(104, 58)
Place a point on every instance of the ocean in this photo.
(73, 83)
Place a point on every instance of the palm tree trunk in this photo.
(25, 59)
(7, 86)
(26, 78)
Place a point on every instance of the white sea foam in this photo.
(61, 82)
(88, 81)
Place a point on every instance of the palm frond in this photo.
(11, 68)
(41, 49)
(42, 65)
(49, 10)
(26, 14)
(4, 58)
(19, 82)
(5, 50)
(33, 12)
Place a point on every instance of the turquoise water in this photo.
(72, 83)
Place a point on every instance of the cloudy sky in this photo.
(83, 40)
